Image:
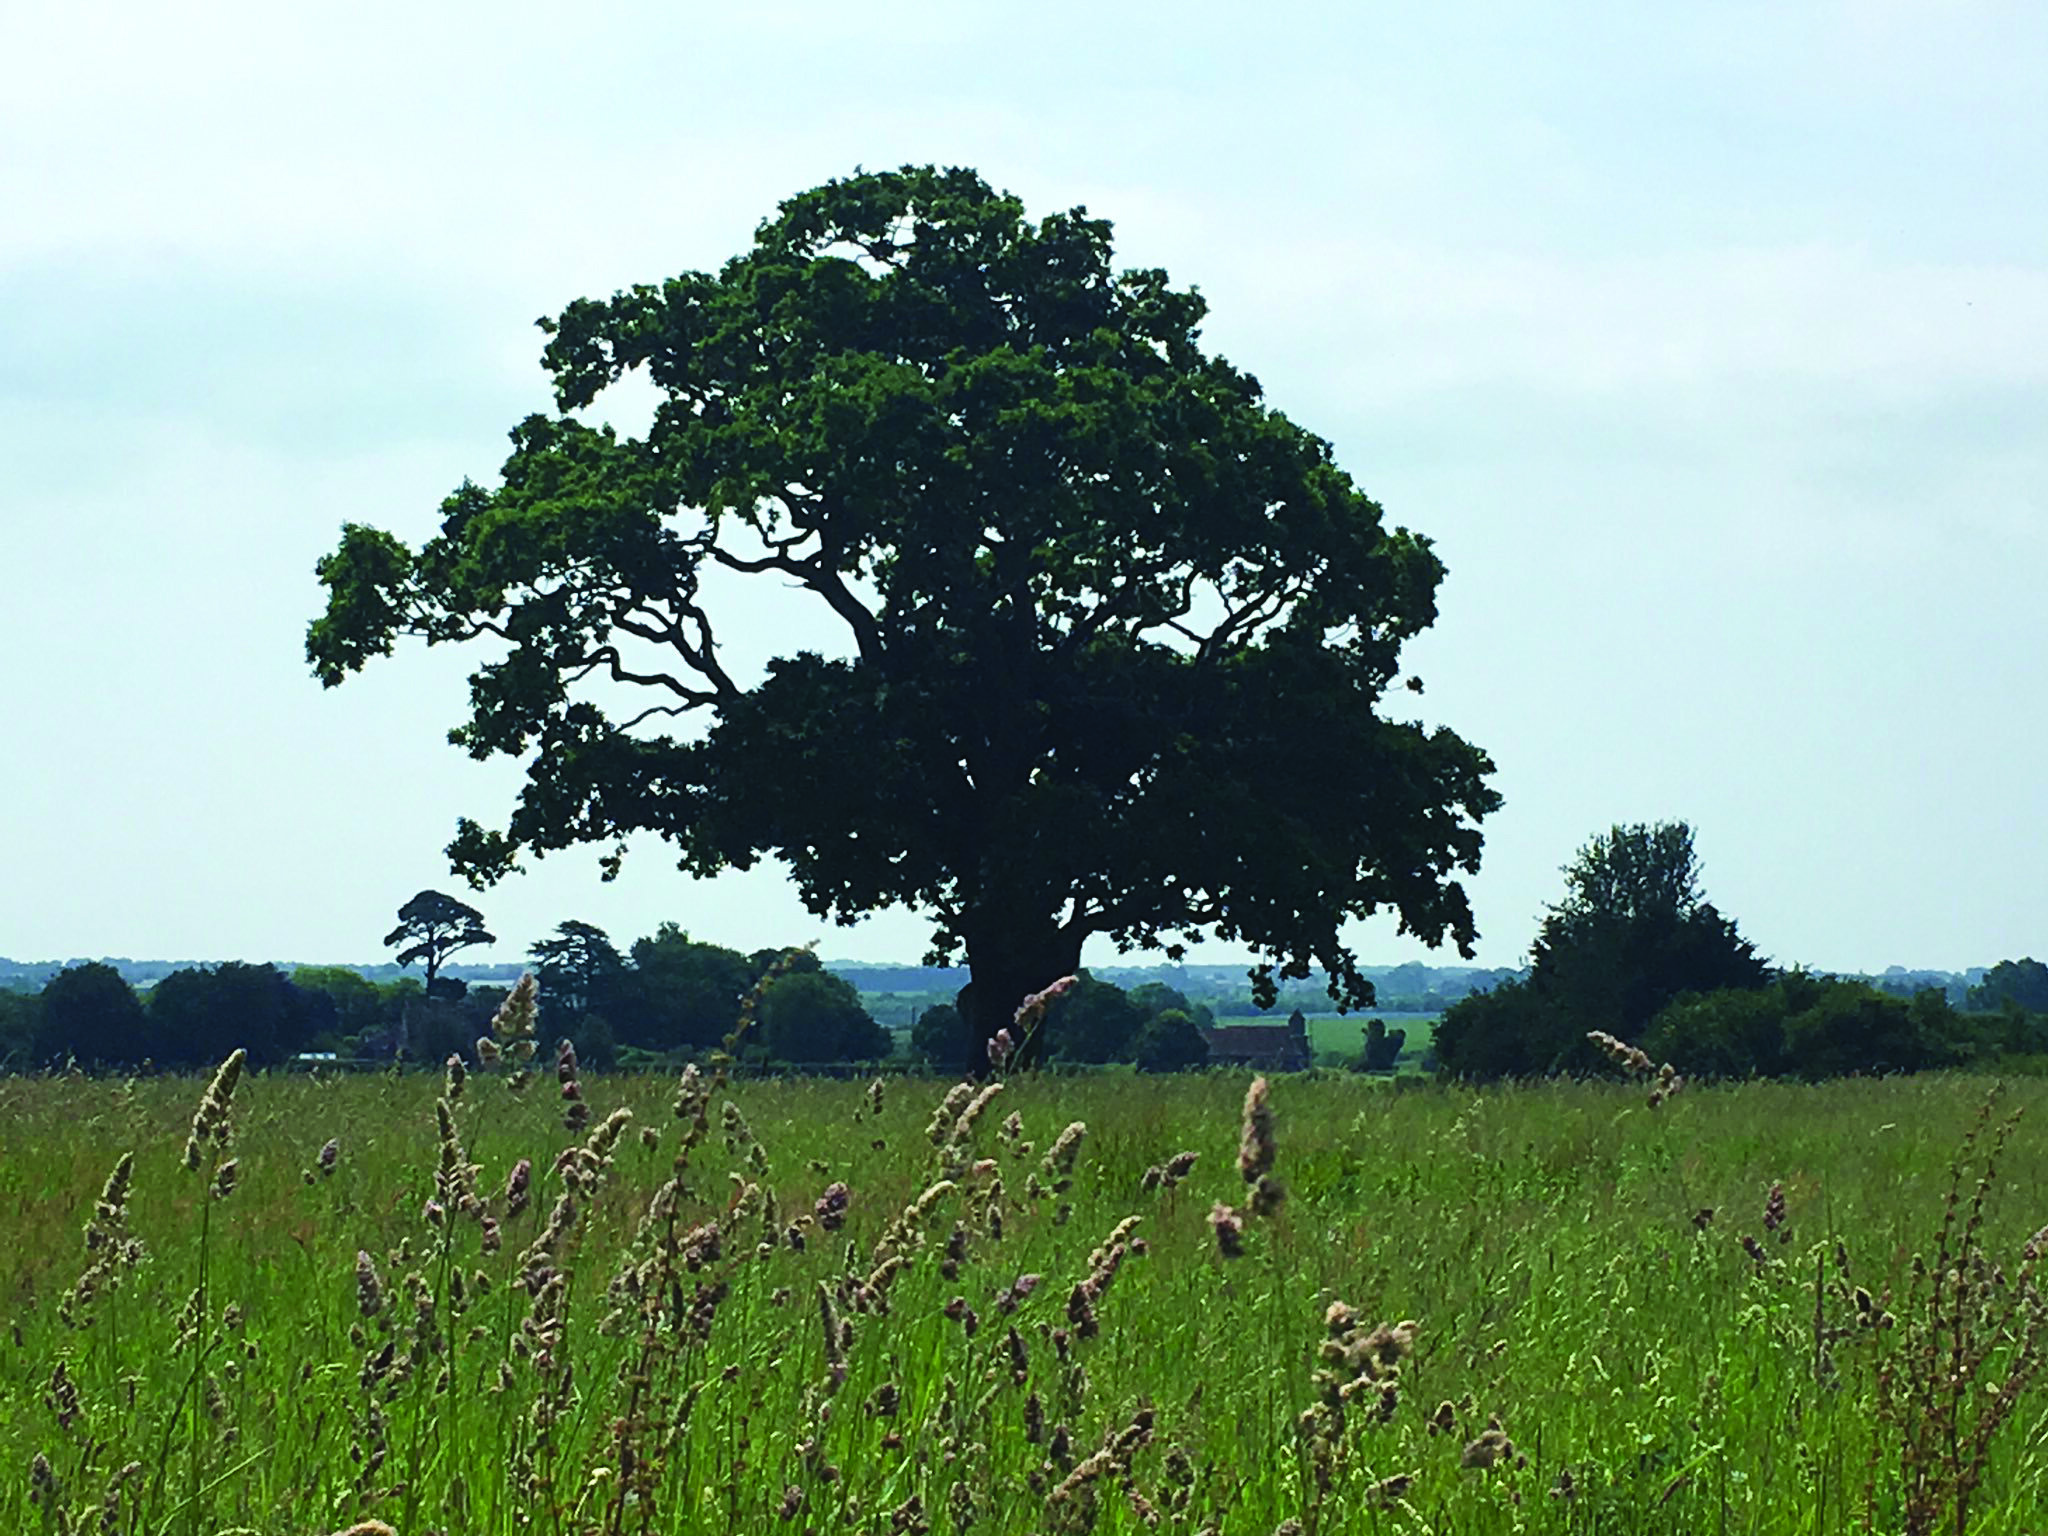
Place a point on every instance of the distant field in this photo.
(1345, 1033)
(1585, 1355)
(1341, 1033)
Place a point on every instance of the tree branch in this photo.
(608, 656)
(819, 576)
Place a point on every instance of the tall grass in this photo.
(1536, 1309)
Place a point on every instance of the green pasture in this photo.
(1344, 1033)
(1589, 1352)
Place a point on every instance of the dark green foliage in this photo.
(813, 1016)
(1632, 933)
(360, 1006)
(1810, 1027)
(1854, 1028)
(684, 994)
(21, 1016)
(580, 971)
(1097, 1022)
(2021, 984)
(1171, 1041)
(1092, 1022)
(1116, 633)
(1515, 1030)
(1382, 1047)
(432, 927)
(1723, 1034)
(597, 1047)
(784, 961)
(198, 1016)
(1155, 997)
(940, 1037)
(91, 1014)
(435, 1028)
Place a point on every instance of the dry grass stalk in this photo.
(1665, 1081)
(113, 1251)
(514, 1032)
(575, 1113)
(1021, 1039)
(1057, 1167)
(211, 1122)
(1491, 1448)
(1969, 1347)
(947, 1115)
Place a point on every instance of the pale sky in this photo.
(1708, 341)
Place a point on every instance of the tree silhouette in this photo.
(1116, 633)
(432, 927)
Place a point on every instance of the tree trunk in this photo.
(1008, 963)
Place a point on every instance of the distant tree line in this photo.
(1634, 950)
(1093, 1023)
(89, 1016)
(665, 997)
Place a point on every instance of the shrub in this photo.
(940, 1037)
(1171, 1041)
(815, 1016)
(1810, 1027)
(1382, 1048)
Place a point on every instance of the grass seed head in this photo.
(831, 1207)
(947, 1115)
(575, 1113)
(1490, 1449)
(518, 1187)
(1058, 1163)
(1031, 1012)
(1390, 1490)
(1256, 1150)
(1267, 1195)
(1228, 1224)
(369, 1289)
(211, 1124)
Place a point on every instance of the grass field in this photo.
(1344, 1033)
(1584, 1354)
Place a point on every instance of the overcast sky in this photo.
(1708, 341)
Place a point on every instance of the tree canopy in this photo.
(814, 1016)
(1116, 633)
(90, 1012)
(579, 969)
(1633, 932)
(684, 993)
(940, 1037)
(1813, 1027)
(198, 1015)
(1635, 929)
(2021, 984)
(432, 926)
(1171, 1041)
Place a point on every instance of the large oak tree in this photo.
(1116, 633)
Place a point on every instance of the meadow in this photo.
(819, 1306)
